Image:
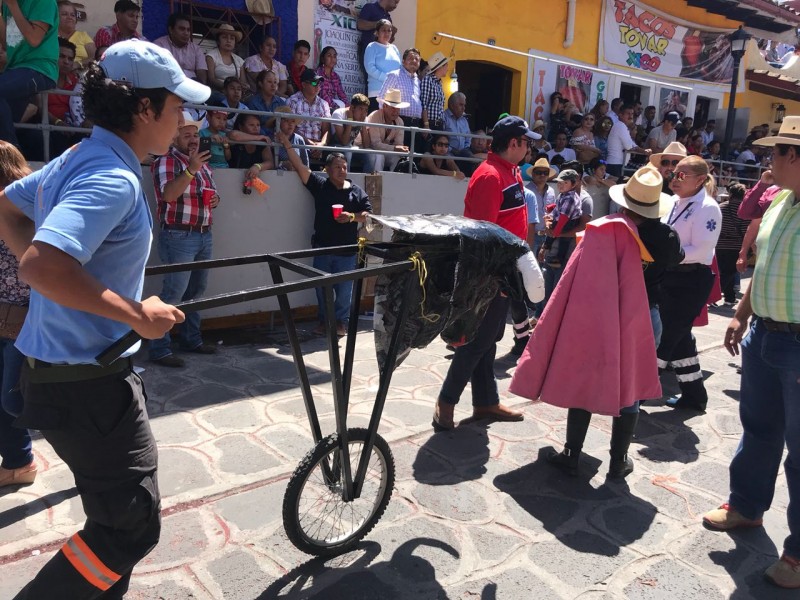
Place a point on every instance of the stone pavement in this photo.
(475, 513)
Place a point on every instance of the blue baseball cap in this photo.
(147, 66)
(513, 127)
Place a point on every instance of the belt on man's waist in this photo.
(186, 227)
(688, 268)
(780, 327)
(40, 371)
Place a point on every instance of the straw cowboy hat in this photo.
(672, 149)
(436, 61)
(189, 122)
(541, 164)
(789, 133)
(642, 194)
(262, 11)
(227, 28)
(394, 98)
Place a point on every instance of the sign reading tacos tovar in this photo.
(643, 39)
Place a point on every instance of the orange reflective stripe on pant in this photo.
(87, 564)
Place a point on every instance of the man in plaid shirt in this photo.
(431, 93)
(405, 79)
(307, 102)
(186, 196)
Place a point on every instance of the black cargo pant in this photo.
(99, 428)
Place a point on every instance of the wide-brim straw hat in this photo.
(672, 149)
(436, 61)
(227, 28)
(642, 194)
(789, 133)
(394, 98)
(541, 164)
(189, 122)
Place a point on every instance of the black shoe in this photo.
(566, 460)
(203, 349)
(619, 469)
(170, 360)
(519, 345)
(682, 404)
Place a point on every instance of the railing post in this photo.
(45, 130)
(411, 150)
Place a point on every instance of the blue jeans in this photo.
(655, 321)
(342, 292)
(180, 247)
(16, 88)
(770, 413)
(15, 444)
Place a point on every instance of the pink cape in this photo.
(714, 296)
(593, 347)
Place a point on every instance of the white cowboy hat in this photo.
(227, 28)
(672, 149)
(789, 133)
(541, 164)
(394, 98)
(642, 194)
(436, 61)
(189, 122)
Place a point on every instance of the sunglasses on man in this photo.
(540, 172)
(666, 162)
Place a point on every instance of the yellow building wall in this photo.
(522, 25)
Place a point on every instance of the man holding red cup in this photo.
(340, 206)
(186, 196)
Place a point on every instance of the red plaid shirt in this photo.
(108, 36)
(189, 209)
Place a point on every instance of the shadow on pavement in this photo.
(404, 575)
(554, 499)
(37, 505)
(666, 437)
(450, 457)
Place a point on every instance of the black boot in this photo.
(622, 430)
(577, 426)
(519, 345)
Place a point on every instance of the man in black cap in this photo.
(495, 194)
(307, 102)
(661, 137)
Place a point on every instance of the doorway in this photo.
(487, 87)
(631, 94)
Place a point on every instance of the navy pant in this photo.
(474, 362)
(16, 88)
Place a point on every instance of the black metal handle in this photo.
(117, 349)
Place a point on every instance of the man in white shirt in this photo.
(708, 133)
(560, 148)
(613, 113)
(620, 141)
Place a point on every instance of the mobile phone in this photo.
(205, 145)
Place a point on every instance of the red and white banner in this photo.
(648, 42)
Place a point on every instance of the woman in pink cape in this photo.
(594, 348)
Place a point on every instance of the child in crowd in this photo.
(566, 214)
(288, 127)
(220, 149)
(232, 88)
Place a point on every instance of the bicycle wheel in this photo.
(315, 517)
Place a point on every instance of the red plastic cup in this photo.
(337, 209)
(208, 194)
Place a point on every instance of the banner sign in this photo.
(649, 42)
(335, 25)
(581, 86)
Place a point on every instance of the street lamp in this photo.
(738, 41)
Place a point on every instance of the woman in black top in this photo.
(440, 163)
(249, 156)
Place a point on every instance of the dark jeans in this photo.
(16, 88)
(100, 429)
(474, 362)
(726, 260)
(15, 443)
(342, 292)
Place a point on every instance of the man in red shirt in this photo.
(127, 13)
(495, 194)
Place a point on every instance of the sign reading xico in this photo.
(642, 39)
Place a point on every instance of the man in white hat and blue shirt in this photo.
(82, 230)
(431, 93)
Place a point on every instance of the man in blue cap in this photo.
(82, 230)
(495, 193)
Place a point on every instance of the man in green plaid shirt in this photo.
(770, 391)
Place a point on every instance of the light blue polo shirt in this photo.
(89, 204)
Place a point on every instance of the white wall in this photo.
(283, 218)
